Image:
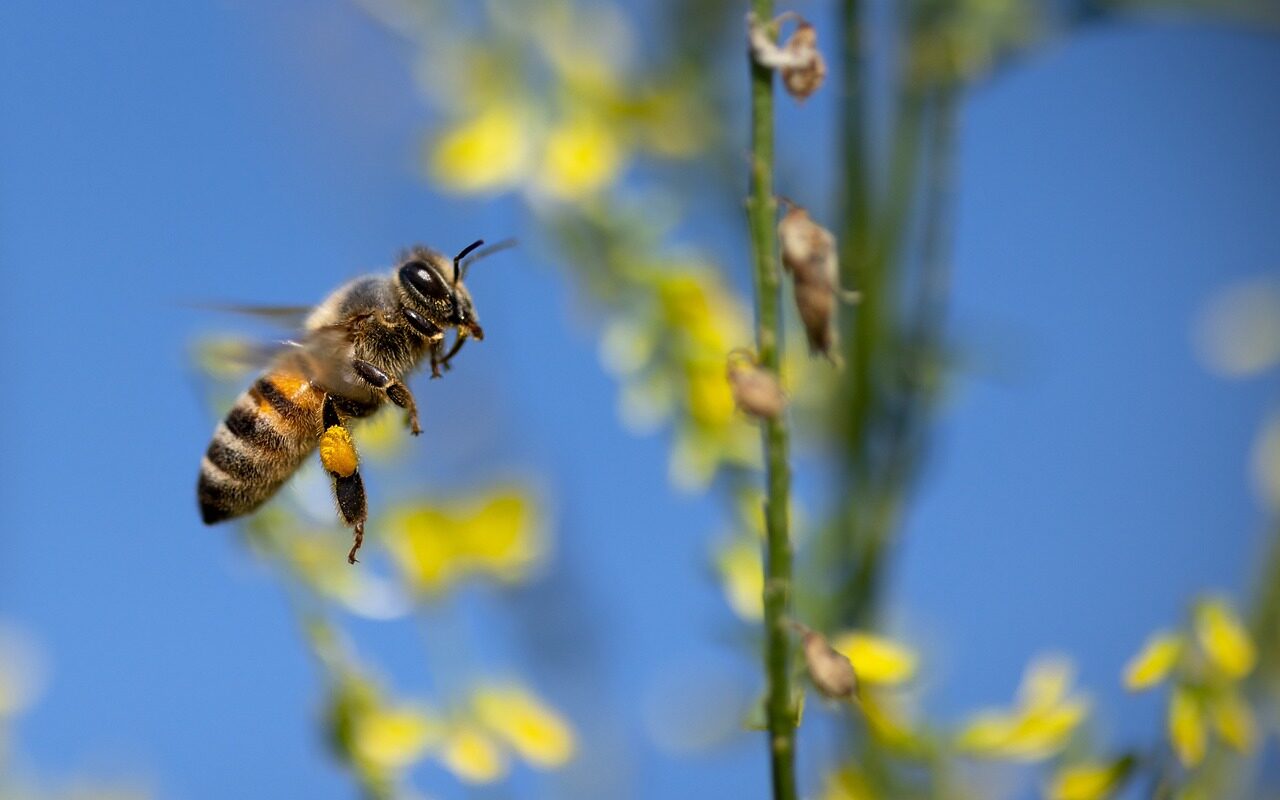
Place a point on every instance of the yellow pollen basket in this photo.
(338, 452)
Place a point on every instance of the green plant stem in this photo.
(761, 217)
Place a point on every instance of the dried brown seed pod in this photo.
(809, 254)
(756, 391)
(808, 71)
(802, 66)
(831, 672)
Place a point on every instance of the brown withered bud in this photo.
(755, 391)
(806, 76)
(809, 254)
(802, 66)
(831, 672)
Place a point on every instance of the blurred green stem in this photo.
(1266, 616)
(761, 217)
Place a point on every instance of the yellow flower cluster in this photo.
(880, 664)
(670, 354)
(501, 137)
(876, 660)
(1039, 725)
(1089, 780)
(497, 534)
(382, 739)
(1206, 665)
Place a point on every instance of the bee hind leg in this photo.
(338, 455)
(396, 391)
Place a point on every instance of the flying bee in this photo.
(354, 352)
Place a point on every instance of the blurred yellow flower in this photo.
(485, 153)
(847, 783)
(393, 738)
(1088, 780)
(875, 659)
(1223, 638)
(497, 534)
(885, 717)
(1186, 726)
(1154, 662)
(580, 157)
(472, 755)
(671, 355)
(536, 732)
(1040, 724)
(742, 576)
(710, 397)
(1210, 661)
(1233, 720)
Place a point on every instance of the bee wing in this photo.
(292, 317)
(234, 356)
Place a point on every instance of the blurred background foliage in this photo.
(626, 149)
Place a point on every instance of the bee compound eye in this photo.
(423, 325)
(425, 281)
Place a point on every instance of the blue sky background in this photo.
(1084, 484)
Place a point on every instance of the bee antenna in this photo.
(457, 272)
(460, 271)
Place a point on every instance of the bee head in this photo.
(433, 296)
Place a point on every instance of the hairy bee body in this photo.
(355, 350)
(271, 429)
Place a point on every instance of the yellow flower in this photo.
(1233, 720)
(524, 722)
(875, 659)
(1089, 780)
(710, 397)
(473, 755)
(1224, 639)
(488, 152)
(582, 155)
(1046, 684)
(885, 718)
(1154, 662)
(847, 783)
(1186, 726)
(503, 536)
(393, 738)
(743, 575)
(497, 534)
(1041, 723)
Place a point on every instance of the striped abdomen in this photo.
(269, 431)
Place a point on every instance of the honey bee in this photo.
(354, 352)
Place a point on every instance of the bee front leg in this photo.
(338, 455)
(396, 391)
(444, 360)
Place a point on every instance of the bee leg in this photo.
(396, 391)
(453, 351)
(338, 455)
(437, 355)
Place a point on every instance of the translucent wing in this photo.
(291, 317)
(233, 356)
